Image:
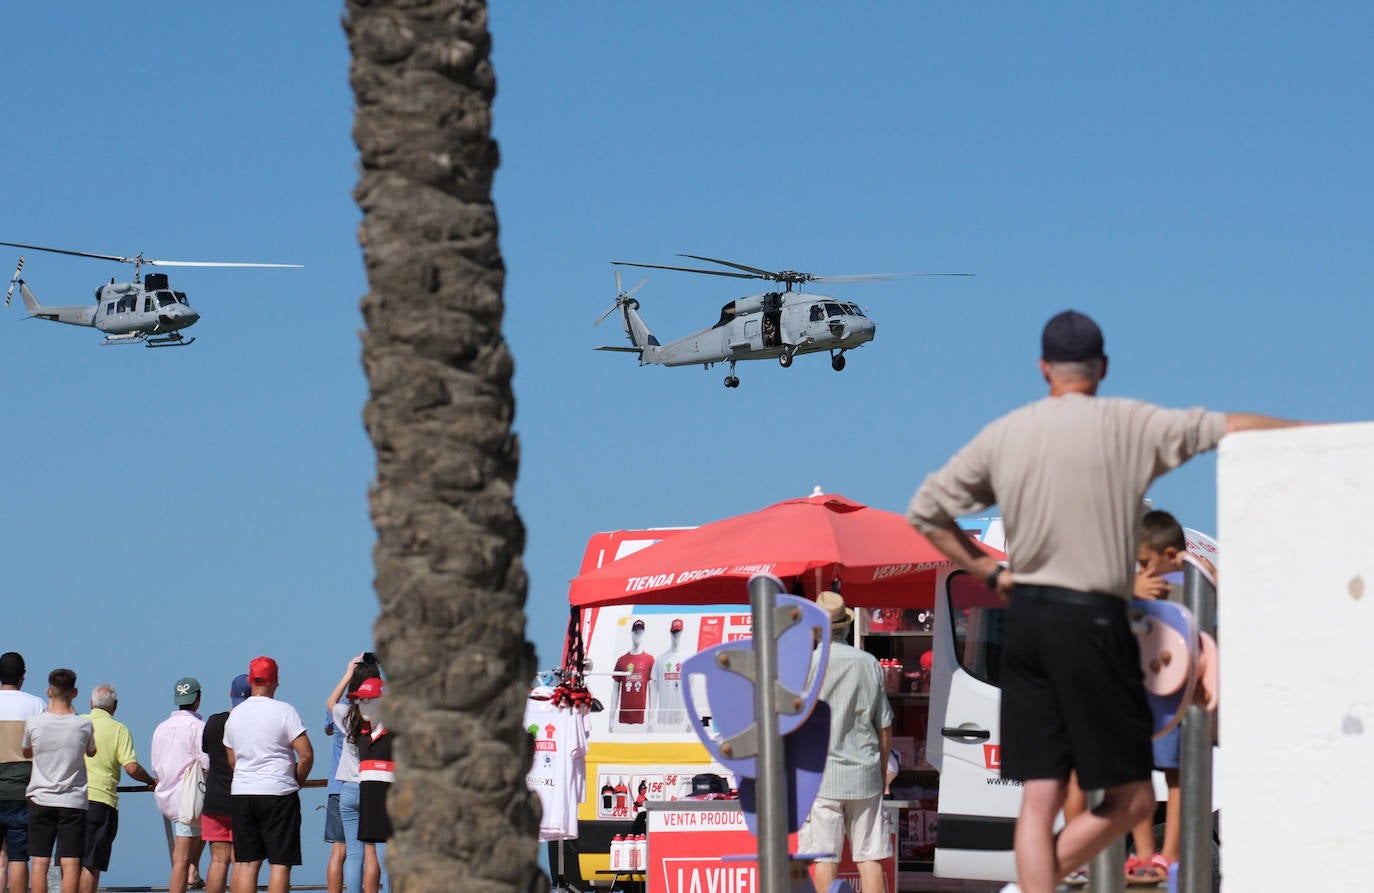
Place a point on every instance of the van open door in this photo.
(977, 809)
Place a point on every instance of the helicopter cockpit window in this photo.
(854, 309)
(147, 305)
(833, 310)
(165, 299)
(109, 309)
(817, 314)
(126, 304)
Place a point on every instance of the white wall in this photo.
(1296, 621)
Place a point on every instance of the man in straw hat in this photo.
(850, 799)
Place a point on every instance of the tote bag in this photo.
(191, 794)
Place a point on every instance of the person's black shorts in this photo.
(102, 824)
(267, 827)
(14, 829)
(1073, 695)
(60, 825)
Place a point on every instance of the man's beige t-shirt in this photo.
(1069, 474)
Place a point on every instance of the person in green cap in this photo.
(176, 746)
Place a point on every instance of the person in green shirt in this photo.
(114, 752)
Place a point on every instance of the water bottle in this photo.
(618, 853)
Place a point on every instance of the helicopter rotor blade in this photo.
(631, 292)
(767, 274)
(206, 263)
(117, 257)
(626, 263)
(13, 281)
(878, 277)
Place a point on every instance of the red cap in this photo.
(676, 627)
(262, 670)
(927, 659)
(367, 690)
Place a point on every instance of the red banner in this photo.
(686, 846)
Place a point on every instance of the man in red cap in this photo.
(271, 756)
(1070, 474)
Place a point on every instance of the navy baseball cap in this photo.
(1071, 337)
(240, 690)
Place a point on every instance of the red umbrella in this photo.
(880, 559)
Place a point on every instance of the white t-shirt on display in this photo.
(260, 732)
(559, 771)
(60, 742)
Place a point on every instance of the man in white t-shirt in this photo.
(16, 706)
(58, 741)
(271, 756)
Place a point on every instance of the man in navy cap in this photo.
(216, 824)
(1070, 473)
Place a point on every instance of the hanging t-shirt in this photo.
(559, 771)
(260, 732)
(669, 711)
(60, 742)
(634, 686)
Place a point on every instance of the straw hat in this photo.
(832, 603)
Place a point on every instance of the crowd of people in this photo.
(231, 780)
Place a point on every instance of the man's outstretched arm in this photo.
(1249, 421)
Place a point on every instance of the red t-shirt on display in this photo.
(634, 686)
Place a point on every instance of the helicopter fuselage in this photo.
(126, 308)
(126, 312)
(766, 326)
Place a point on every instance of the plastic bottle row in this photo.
(629, 853)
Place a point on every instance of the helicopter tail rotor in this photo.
(14, 280)
(623, 298)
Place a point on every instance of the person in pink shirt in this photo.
(176, 746)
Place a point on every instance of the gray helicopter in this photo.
(147, 312)
(776, 324)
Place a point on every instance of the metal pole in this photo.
(1195, 757)
(771, 786)
(1105, 874)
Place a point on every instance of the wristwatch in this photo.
(991, 581)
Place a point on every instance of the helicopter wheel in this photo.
(731, 381)
(837, 362)
(785, 358)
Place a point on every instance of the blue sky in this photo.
(1196, 179)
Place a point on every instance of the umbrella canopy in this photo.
(880, 559)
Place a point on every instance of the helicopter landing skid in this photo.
(173, 340)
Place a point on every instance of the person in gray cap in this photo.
(1069, 472)
(176, 747)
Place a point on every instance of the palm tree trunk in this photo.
(451, 634)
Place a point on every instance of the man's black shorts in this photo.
(102, 824)
(267, 827)
(1073, 695)
(64, 826)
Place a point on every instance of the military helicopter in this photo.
(774, 324)
(148, 313)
